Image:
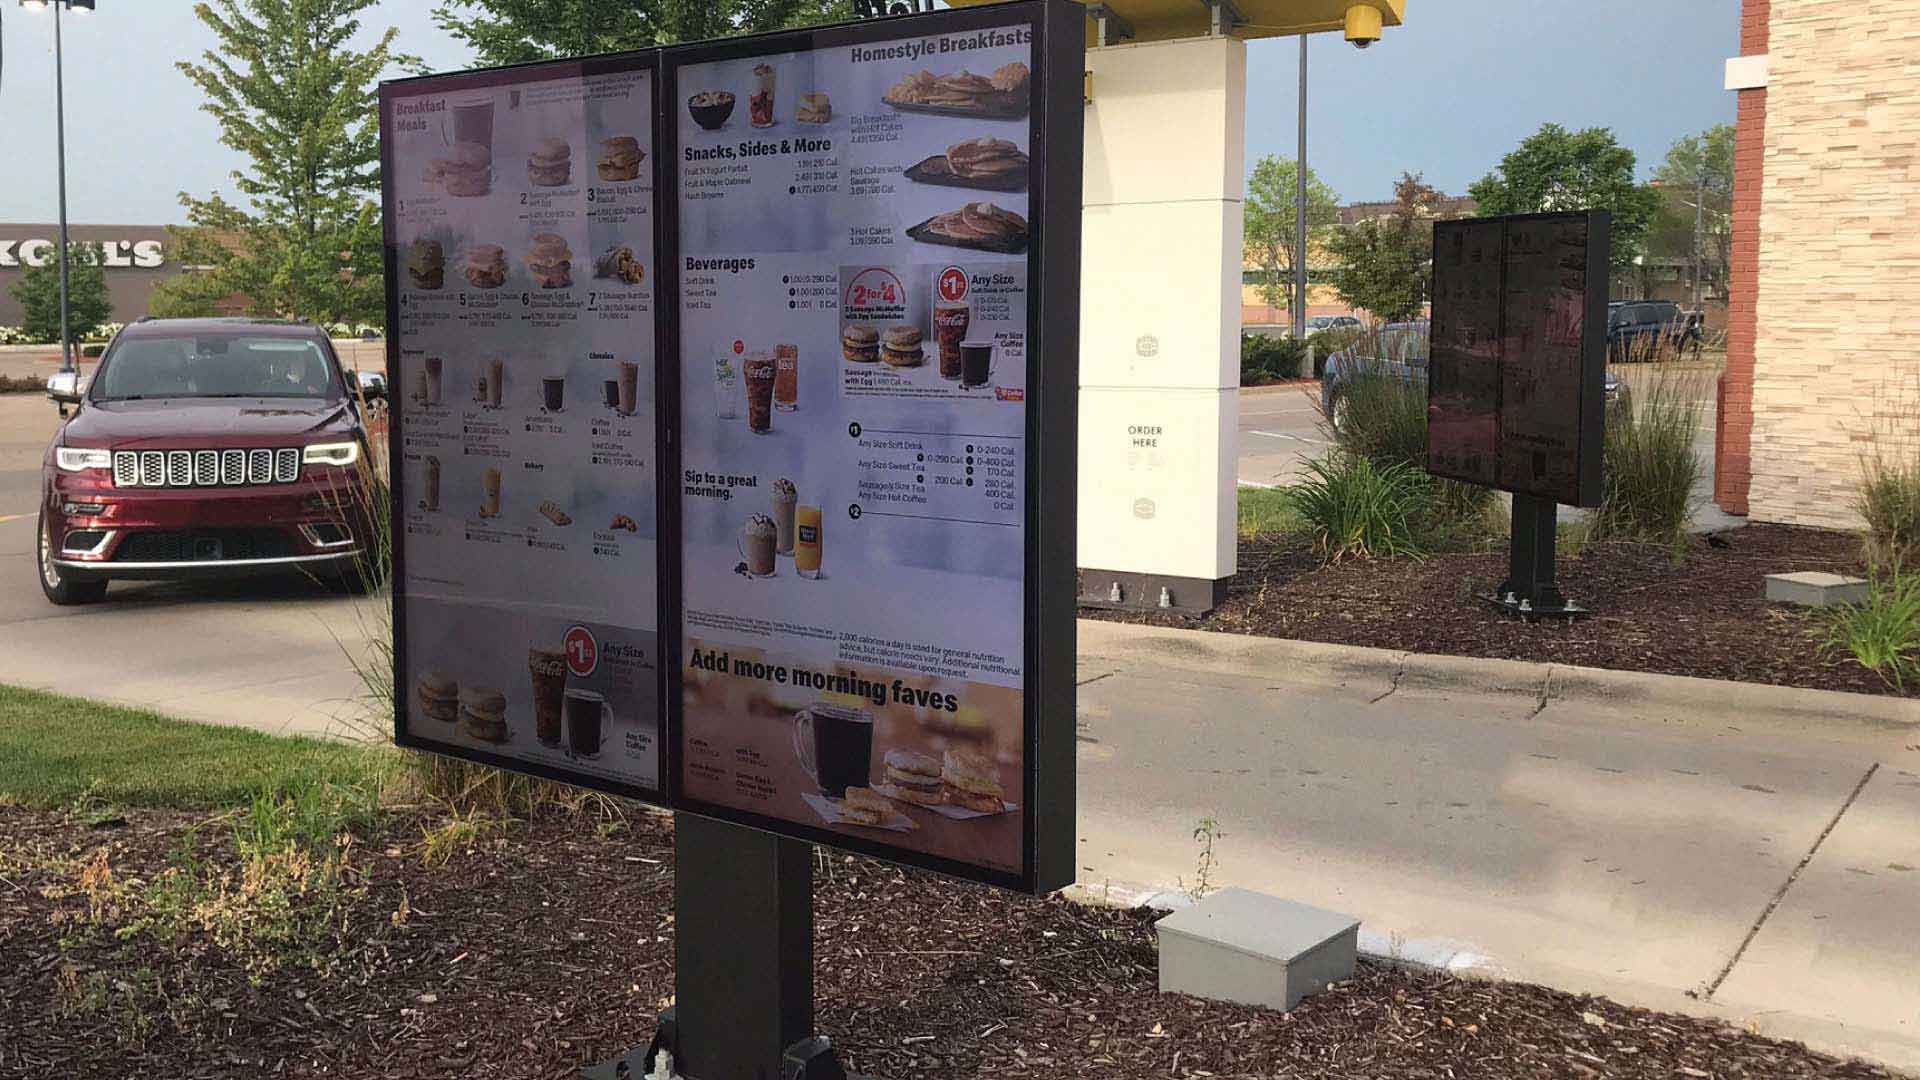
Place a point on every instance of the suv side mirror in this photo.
(64, 387)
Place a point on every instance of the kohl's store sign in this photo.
(114, 254)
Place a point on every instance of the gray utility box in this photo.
(1811, 588)
(1247, 947)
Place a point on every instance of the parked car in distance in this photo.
(1396, 350)
(1637, 329)
(1333, 322)
(205, 448)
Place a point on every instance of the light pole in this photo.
(1300, 211)
(60, 128)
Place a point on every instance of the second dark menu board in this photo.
(1516, 394)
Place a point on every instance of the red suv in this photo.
(206, 448)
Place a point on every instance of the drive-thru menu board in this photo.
(1516, 394)
(520, 222)
(861, 328)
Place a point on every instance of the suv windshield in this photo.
(215, 365)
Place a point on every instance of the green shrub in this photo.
(1352, 508)
(1889, 503)
(1883, 634)
(1650, 464)
(1266, 359)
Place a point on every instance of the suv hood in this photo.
(206, 421)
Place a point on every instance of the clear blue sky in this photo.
(1447, 94)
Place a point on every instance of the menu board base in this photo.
(1509, 604)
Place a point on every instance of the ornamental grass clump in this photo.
(1650, 463)
(1351, 508)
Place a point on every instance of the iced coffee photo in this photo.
(758, 538)
(785, 495)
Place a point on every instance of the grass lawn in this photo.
(55, 749)
(1266, 510)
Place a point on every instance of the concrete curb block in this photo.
(1385, 948)
(1313, 663)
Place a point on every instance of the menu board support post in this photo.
(1530, 588)
(743, 960)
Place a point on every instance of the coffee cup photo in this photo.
(587, 721)
(834, 746)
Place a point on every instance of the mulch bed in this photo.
(1704, 614)
(550, 946)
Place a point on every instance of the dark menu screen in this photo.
(1517, 364)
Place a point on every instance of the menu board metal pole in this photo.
(743, 961)
(1530, 578)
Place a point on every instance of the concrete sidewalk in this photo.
(1744, 852)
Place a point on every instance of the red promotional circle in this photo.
(874, 287)
(739, 346)
(953, 283)
(583, 652)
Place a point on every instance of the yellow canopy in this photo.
(1157, 20)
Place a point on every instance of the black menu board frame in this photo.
(1047, 782)
(1507, 293)
(399, 493)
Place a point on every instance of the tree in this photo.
(1386, 264)
(1695, 220)
(290, 94)
(88, 303)
(189, 295)
(518, 31)
(1271, 216)
(1556, 169)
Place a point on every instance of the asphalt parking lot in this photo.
(266, 654)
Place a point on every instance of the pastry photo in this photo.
(550, 164)
(620, 158)
(469, 173)
(814, 108)
(618, 263)
(900, 346)
(427, 264)
(860, 343)
(711, 108)
(550, 261)
(483, 714)
(439, 697)
(1005, 95)
(485, 266)
(981, 226)
(985, 163)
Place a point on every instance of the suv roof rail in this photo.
(144, 318)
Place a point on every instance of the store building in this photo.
(1823, 344)
(136, 257)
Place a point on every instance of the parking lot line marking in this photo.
(4, 518)
(1255, 484)
(1284, 435)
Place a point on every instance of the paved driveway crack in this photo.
(1546, 694)
(1399, 672)
(1781, 893)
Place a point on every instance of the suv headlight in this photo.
(333, 453)
(76, 459)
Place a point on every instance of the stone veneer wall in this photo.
(1837, 333)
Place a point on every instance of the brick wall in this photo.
(1837, 323)
(1734, 416)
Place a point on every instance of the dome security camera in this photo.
(1363, 25)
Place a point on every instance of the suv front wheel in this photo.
(59, 588)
